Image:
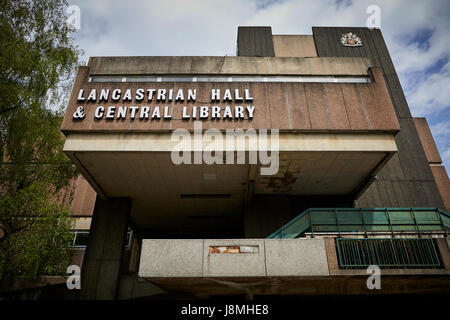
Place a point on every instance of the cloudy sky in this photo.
(416, 33)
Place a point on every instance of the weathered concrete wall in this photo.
(172, 258)
(294, 257)
(271, 258)
(227, 65)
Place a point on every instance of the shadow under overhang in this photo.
(140, 166)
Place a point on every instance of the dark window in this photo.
(80, 238)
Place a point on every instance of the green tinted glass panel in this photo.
(375, 217)
(322, 228)
(404, 228)
(445, 220)
(297, 227)
(378, 227)
(350, 217)
(360, 220)
(323, 217)
(351, 228)
(401, 217)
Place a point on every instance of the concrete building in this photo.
(359, 181)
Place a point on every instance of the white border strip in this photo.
(298, 142)
(320, 79)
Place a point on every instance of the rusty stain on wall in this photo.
(233, 249)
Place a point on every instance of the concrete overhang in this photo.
(333, 136)
(166, 195)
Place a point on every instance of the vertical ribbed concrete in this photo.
(255, 42)
(101, 265)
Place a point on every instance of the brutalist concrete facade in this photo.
(347, 137)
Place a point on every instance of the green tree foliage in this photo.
(37, 64)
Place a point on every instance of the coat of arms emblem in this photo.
(351, 40)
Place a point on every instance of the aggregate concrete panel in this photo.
(294, 46)
(171, 258)
(223, 65)
(237, 258)
(296, 257)
(428, 143)
(200, 64)
(239, 65)
(337, 65)
(282, 66)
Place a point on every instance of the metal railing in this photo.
(365, 220)
(388, 253)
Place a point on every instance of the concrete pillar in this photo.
(101, 266)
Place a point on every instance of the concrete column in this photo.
(101, 266)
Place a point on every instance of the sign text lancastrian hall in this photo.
(116, 104)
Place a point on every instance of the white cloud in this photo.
(431, 94)
(441, 134)
(446, 156)
(160, 27)
(441, 128)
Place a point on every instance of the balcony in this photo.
(322, 251)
